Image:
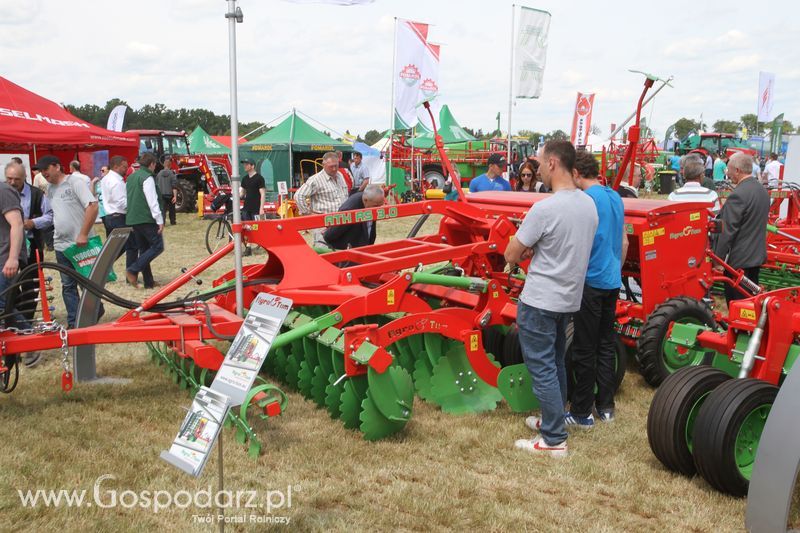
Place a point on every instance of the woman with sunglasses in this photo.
(528, 178)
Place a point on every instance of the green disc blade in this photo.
(392, 392)
(355, 390)
(374, 425)
(514, 383)
(457, 389)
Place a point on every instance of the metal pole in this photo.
(630, 117)
(234, 15)
(510, 90)
(291, 158)
(219, 490)
(391, 114)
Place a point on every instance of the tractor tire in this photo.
(512, 351)
(621, 365)
(727, 431)
(186, 197)
(673, 413)
(655, 363)
(493, 341)
(434, 177)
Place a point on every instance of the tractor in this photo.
(209, 174)
(708, 419)
(713, 143)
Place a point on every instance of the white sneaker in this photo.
(534, 423)
(538, 445)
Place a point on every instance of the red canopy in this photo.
(29, 122)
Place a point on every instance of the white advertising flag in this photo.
(116, 118)
(766, 88)
(410, 49)
(429, 85)
(530, 52)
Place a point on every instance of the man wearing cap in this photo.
(493, 180)
(253, 190)
(74, 212)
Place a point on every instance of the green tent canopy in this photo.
(272, 156)
(449, 129)
(200, 142)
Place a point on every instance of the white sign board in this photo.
(283, 188)
(198, 433)
(251, 346)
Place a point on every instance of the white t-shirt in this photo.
(773, 172)
(692, 191)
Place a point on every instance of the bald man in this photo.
(743, 241)
(361, 233)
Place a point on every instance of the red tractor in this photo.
(209, 174)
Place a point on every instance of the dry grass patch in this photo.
(443, 472)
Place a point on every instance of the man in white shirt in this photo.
(772, 171)
(144, 216)
(75, 167)
(115, 202)
(692, 190)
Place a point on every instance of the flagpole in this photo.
(510, 91)
(391, 113)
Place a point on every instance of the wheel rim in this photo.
(748, 437)
(677, 357)
(691, 418)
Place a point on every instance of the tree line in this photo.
(160, 117)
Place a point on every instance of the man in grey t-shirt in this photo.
(557, 235)
(74, 212)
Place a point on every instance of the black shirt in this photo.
(252, 196)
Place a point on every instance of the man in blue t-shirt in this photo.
(594, 342)
(493, 180)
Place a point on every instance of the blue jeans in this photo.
(151, 244)
(542, 337)
(69, 290)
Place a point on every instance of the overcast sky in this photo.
(334, 63)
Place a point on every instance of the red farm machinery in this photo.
(207, 174)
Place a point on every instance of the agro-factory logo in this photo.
(410, 75)
(429, 87)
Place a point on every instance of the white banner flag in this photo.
(410, 49)
(116, 118)
(766, 88)
(530, 52)
(429, 86)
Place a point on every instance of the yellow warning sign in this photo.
(747, 314)
(390, 297)
(473, 342)
(649, 237)
(694, 216)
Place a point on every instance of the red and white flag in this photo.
(766, 88)
(429, 86)
(411, 48)
(582, 120)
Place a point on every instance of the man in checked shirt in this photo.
(322, 193)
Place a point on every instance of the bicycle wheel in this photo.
(218, 234)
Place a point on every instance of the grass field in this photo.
(442, 473)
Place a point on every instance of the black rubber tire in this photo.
(622, 361)
(434, 176)
(218, 234)
(512, 351)
(186, 197)
(717, 427)
(650, 344)
(669, 413)
(493, 340)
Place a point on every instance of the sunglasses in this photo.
(526, 174)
